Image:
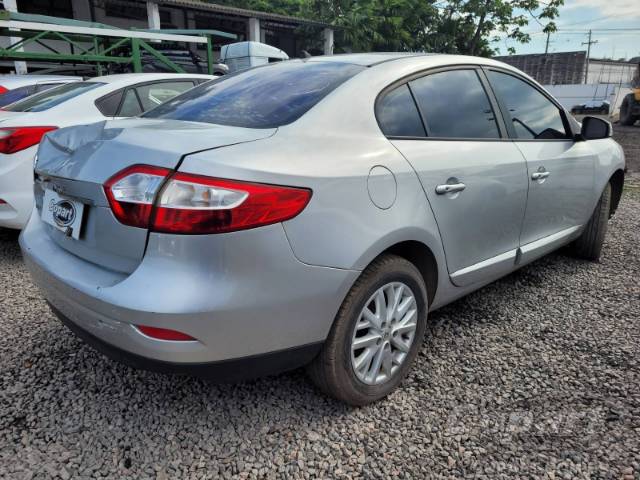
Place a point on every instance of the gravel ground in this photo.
(535, 376)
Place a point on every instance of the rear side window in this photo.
(263, 97)
(108, 105)
(154, 94)
(398, 115)
(455, 105)
(52, 97)
(16, 94)
(532, 115)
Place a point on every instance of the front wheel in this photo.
(589, 244)
(376, 334)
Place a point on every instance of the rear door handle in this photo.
(450, 188)
(539, 175)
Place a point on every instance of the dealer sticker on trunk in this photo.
(63, 213)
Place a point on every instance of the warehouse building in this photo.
(551, 69)
(571, 68)
(291, 34)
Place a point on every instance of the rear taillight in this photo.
(132, 191)
(147, 197)
(195, 204)
(3, 90)
(14, 139)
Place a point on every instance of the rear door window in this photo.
(398, 115)
(532, 115)
(154, 94)
(130, 105)
(455, 105)
(262, 97)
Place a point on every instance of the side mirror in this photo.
(594, 128)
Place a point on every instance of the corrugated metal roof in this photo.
(241, 12)
(31, 17)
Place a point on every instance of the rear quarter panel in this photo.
(609, 159)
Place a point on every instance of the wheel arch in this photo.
(420, 255)
(617, 185)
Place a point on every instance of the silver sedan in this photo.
(312, 212)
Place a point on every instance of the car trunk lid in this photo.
(76, 162)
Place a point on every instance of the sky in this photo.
(579, 16)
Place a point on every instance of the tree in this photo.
(440, 26)
(445, 26)
(378, 25)
(476, 21)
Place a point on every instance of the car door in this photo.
(475, 179)
(560, 170)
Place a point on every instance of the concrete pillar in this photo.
(81, 10)
(328, 41)
(190, 22)
(20, 66)
(253, 25)
(153, 15)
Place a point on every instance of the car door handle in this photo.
(450, 188)
(539, 175)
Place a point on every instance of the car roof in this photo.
(22, 80)
(427, 59)
(368, 59)
(127, 78)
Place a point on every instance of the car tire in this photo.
(334, 370)
(589, 243)
(626, 109)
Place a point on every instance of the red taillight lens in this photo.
(14, 139)
(194, 204)
(164, 334)
(3, 90)
(132, 191)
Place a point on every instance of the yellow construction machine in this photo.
(630, 108)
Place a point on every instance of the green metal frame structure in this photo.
(90, 45)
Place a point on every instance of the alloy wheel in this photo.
(384, 333)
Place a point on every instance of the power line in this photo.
(594, 20)
(588, 44)
(603, 30)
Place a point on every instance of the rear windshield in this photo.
(52, 97)
(263, 97)
(16, 94)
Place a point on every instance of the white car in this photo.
(17, 87)
(22, 124)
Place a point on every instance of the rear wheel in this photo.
(376, 334)
(589, 244)
(626, 110)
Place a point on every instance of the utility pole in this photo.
(588, 44)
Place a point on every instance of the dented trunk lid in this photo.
(75, 162)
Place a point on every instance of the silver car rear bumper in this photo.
(240, 295)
